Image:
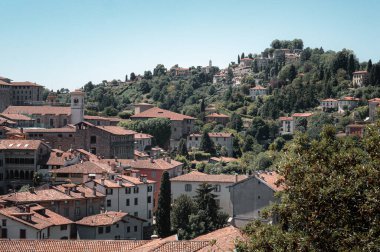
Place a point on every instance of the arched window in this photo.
(11, 175)
(22, 175)
(17, 174)
(27, 175)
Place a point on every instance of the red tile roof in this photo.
(246, 59)
(156, 164)
(196, 176)
(179, 246)
(25, 83)
(349, 98)
(142, 136)
(70, 245)
(6, 121)
(217, 115)
(78, 191)
(329, 100)
(140, 154)
(3, 83)
(36, 196)
(16, 117)
(220, 134)
(271, 179)
(116, 130)
(302, 114)
(225, 239)
(58, 158)
(258, 87)
(374, 100)
(285, 118)
(162, 113)
(9, 144)
(100, 118)
(51, 130)
(102, 219)
(360, 72)
(38, 110)
(86, 167)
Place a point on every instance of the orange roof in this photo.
(38, 110)
(329, 100)
(51, 130)
(217, 115)
(6, 121)
(224, 159)
(10, 144)
(82, 168)
(162, 113)
(178, 246)
(4, 83)
(154, 244)
(78, 191)
(47, 245)
(116, 130)
(285, 118)
(100, 118)
(196, 176)
(36, 196)
(246, 59)
(302, 114)
(225, 238)
(360, 72)
(102, 219)
(140, 154)
(156, 164)
(58, 158)
(258, 87)
(142, 136)
(374, 100)
(220, 134)
(16, 117)
(271, 179)
(25, 83)
(349, 98)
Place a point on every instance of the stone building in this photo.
(258, 91)
(218, 118)
(223, 139)
(329, 104)
(373, 106)
(360, 78)
(143, 141)
(347, 103)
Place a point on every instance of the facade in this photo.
(246, 62)
(289, 124)
(347, 103)
(143, 141)
(110, 225)
(33, 222)
(130, 194)
(180, 72)
(141, 107)
(219, 78)
(373, 106)
(360, 78)
(22, 121)
(188, 183)
(250, 196)
(5, 93)
(218, 118)
(329, 104)
(355, 130)
(258, 91)
(101, 121)
(224, 140)
(20, 160)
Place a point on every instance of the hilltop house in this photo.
(373, 106)
(223, 139)
(347, 103)
(360, 78)
(329, 104)
(290, 124)
(258, 91)
(218, 118)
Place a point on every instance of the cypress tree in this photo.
(163, 209)
(207, 145)
(369, 66)
(182, 148)
(351, 65)
(242, 55)
(238, 59)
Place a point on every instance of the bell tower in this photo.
(77, 106)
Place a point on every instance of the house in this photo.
(110, 225)
(19, 161)
(133, 194)
(152, 168)
(290, 124)
(360, 78)
(217, 118)
(22, 121)
(355, 130)
(188, 183)
(219, 78)
(373, 106)
(330, 103)
(102, 121)
(347, 103)
(181, 125)
(141, 107)
(223, 139)
(143, 141)
(258, 91)
(250, 196)
(26, 93)
(180, 71)
(223, 160)
(246, 62)
(33, 221)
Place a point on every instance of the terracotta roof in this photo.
(302, 114)
(329, 100)
(162, 113)
(100, 118)
(179, 246)
(374, 100)
(220, 134)
(86, 167)
(58, 158)
(156, 164)
(154, 244)
(6, 121)
(40, 217)
(36, 196)
(258, 87)
(78, 191)
(102, 219)
(196, 176)
(25, 83)
(3, 83)
(195, 135)
(38, 110)
(225, 239)
(142, 136)
(51, 130)
(285, 118)
(9, 144)
(16, 117)
(246, 59)
(349, 98)
(271, 179)
(360, 72)
(47, 245)
(140, 154)
(224, 159)
(135, 181)
(217, 115)
(116, 130)
(107, 183)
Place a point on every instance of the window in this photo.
(63, 227)
(127, 203)
(51, 122)
(258, 197)
(217, 202)
(135, 189)
(128, 229)
(109, 191)
(136, 214)
(108, 229)
(22, 234)
(128, 190)
(77, 211)
(135, 228)
(188, 188)
(150, 188)
(136, 201)
(4, 223)
(64, 121)
(217, 188)
(93, 140)
(149, 199)
(149, 214)
(109, 203)
(100, 230)
(153, 174)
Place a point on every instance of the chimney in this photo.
(109, 162)
(115, 159)
(83, 194)
(94, 191)
(67, 191)
(236, 178)
(120, 182)
(169, 160)
(102, 181)
(152, 159)
(27, 209)
(31, 189)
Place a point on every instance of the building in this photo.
(33, 222)
(180, 72)
(222, 139)
(181, 125)
(250, 196)
(5, 93)
(141, 107)
(290, 124)
(246, 62)
(258, 91)
(102, 121)
(133, 194)
(20, 160)
(22, 121)
(26, 93)
(110, 225)
(347, 103)
(328, 104)
(188, 183)
(217, 118)
(355, 130)
(360, 78)
(143, 141)
(219, 78)
(373, 106)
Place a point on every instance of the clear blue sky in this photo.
(67, 43)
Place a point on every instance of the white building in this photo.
(222, 139)
(33, 222)
(129, 194)
(289, 124)
(77, 106)
(142, 141)
(359, 78)
(329, 104)
(373, 106)
(347, 103)
(110, 225)
(188, 183)
(258, 91)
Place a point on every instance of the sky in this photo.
(66, 43)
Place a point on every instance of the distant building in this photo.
(373, 106)
(258, 91)
(219, 78)
(143, 141)
(347, 103)
(141, 107)
(290, 124)
(222, 139)
(360, 78)
(355, 130)
(329, 104)
(22, 121)
(218, 118)
(180, 72)
(110, 225)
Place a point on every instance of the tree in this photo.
(297, 44)
(148, 75)
(351, 65)
(163, 225)
(238, 59)
(133, 76)
(126, 77)
(242, 56)
(276, 44)
(236, 122)
(182, 208)
(207, 145)
(182, 148)
(369, 66)
(331, 199)
(159, 70)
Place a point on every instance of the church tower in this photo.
(77, 106)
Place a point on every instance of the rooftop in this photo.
(162, 113)
(349, 98)
(142, 136)
(302, 114)
(196, 176)
(86, 167)
(116, 130)
(156, 164)
(102, 219)
(38, 110)
(10, 144)
(25, 83)
(360, 72)
(271, 179)
(218, 115)
(16, 117)
(258, 87)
